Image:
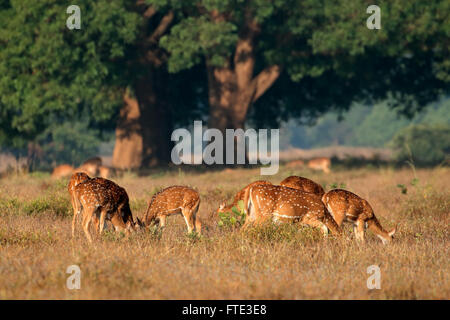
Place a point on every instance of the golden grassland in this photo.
(273, 262)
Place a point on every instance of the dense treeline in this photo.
(145, 67)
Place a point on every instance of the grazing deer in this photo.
(320, 164)
(174, 200)
(95, 200)
(239, 196)
(282, 204)
(123, 214)
(346, 206)
(303, 184)
(64, 170)
(100, 199)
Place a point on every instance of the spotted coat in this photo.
(303, 184)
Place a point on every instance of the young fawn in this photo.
(282, 204)
(174, 200)
(239, 196)
(303, 184)
(347, 206)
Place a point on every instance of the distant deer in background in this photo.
(90, 166)
(346, 206)
(105, 172)
(62, 171)
(322, 164)
(303, 184)
(174, 200)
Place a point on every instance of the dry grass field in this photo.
(287, 262)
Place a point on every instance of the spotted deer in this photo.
(303, 184)
(174, 200)
(239, 196)
(100, 200)
(322, 164)
(76, 179)
(346, 206)
(282, 204)
(123, 217)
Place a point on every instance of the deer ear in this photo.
(222, 205)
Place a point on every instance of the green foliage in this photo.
(336, 185)
(54, 204)
(403, 188)
(426, 145)
(48, 70)
(57, 205)
(363, 126)
(69, 142)
(329, 58)
(233, 219)
(193, 38)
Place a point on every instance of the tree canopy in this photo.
(231, 61)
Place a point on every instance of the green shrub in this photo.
(424, 145)
(57, 205)
(234, 218)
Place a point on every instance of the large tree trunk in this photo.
(128, 148)
(234, 87)
(143, 130)
(233, 90)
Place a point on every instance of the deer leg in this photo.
(87, 216)
(103, 213)
(162, 220)
(190, 220)
(196, 222)
(359, 230)
(77, 209)
(75, 214)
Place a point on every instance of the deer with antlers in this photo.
(174, 200)
(239, 196)
(283, 204)
(303, 184)
(346, 206)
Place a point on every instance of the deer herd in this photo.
(295, 200)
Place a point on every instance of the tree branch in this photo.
(162, 27)
(244, 60)
(264, 80)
